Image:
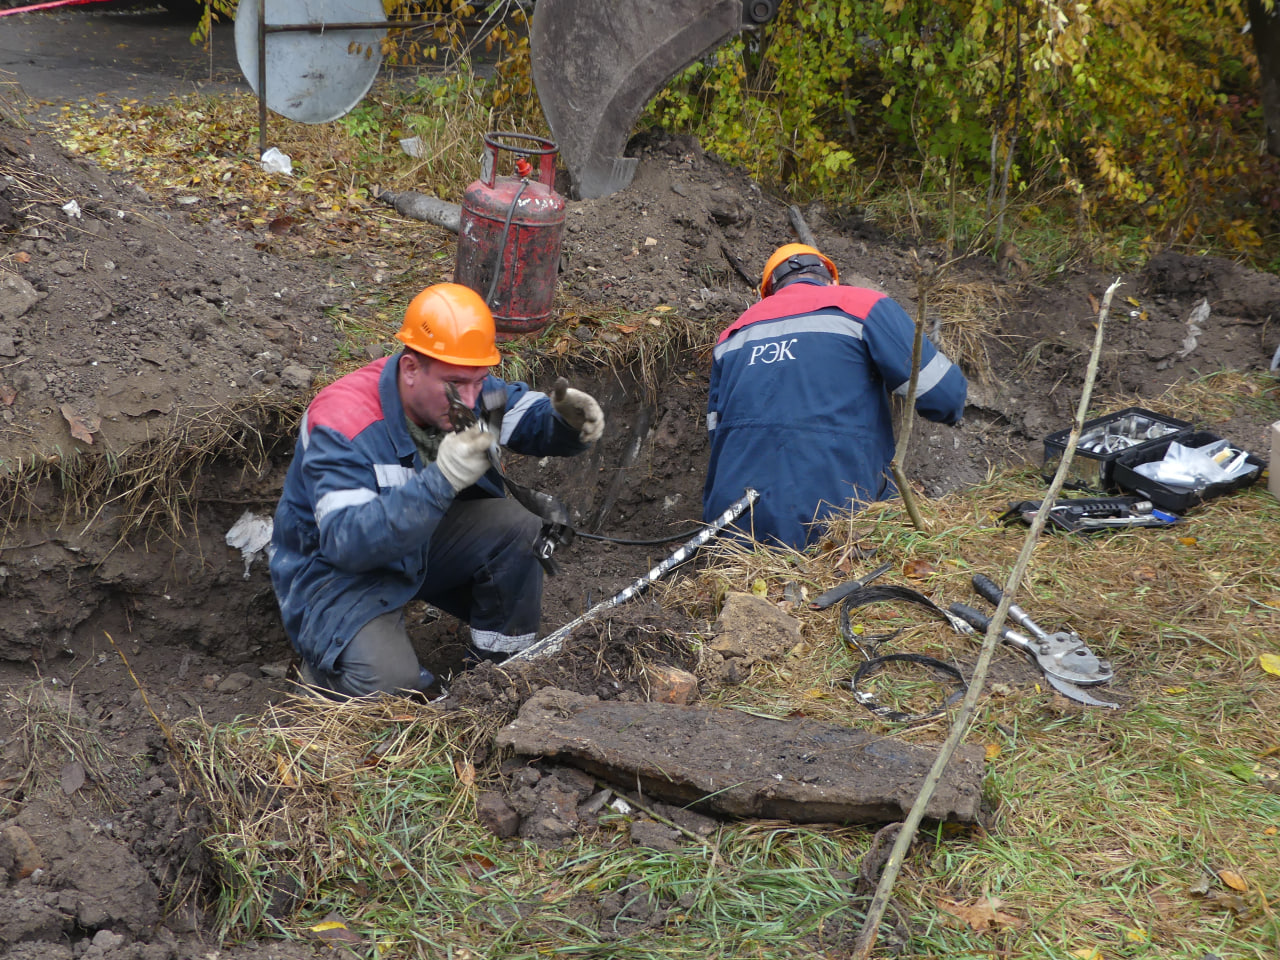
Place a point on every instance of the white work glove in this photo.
(463, 457)
(579, 410)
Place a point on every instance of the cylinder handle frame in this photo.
(545, 150)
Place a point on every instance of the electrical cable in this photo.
(636, 543)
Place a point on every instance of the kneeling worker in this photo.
(798, 406)
(384, 503)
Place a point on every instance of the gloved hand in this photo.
(579, 410)
(464, 457)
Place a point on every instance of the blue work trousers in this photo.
(482, 568)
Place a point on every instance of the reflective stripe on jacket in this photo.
(798, 406)
(359, 506)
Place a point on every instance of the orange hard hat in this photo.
(794, 256)
(451, 323)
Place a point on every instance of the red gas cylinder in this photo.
(509, 235)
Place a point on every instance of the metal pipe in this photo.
(262, 78)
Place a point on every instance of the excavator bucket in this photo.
(595, 66)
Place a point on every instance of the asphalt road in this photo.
(78, 53)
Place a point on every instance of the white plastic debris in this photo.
(273, 161)
(412, 146)
(250, 534)
(71, 209)
(1195, 326)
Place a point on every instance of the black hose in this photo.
(502, 247)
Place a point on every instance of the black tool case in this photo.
(1103, 440)
(1178, 499)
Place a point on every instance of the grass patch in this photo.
(51, 732)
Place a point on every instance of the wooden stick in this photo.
(923, 280)
(880, 901)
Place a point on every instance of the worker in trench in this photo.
(386, 502)
(798, 405)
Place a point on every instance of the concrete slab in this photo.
(737, 765)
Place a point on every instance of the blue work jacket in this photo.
(354, 523)
(798, 406)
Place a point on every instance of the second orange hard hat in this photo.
(792, 257)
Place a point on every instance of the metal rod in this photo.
(262, 78)
(552, 642)
(322, 27)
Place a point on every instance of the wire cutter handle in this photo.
(991, 592)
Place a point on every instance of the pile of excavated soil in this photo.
(120, 317)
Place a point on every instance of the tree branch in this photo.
(880, 901)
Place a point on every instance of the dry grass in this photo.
(52, 734)
(969, 313)
(648, 344)
(13, 101)
(282, 792)
(152, 487)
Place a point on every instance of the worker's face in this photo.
(422, 388)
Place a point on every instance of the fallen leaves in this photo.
(1238, 898)
(918, 569)
(983, 914)
(333, 930)
(72, 776)
(1233, 880)
(83, 427)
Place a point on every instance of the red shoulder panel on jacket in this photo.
(349, 404)
(802, 298)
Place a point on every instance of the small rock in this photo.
(668, 684)
(19, 856)
(17, 296)
(234, 683)
(295, 377)
(497, 817)
(646, 833)
(106, 940)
